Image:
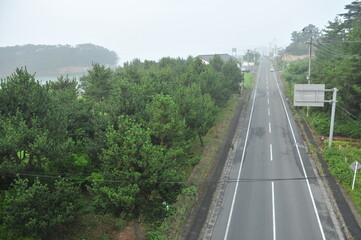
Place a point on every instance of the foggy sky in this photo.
(151, 29)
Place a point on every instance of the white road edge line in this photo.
(242, 159)
(303, 167)
(273, 211)
(269, 127)
(270, 150)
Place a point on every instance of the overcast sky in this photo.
(151, 29)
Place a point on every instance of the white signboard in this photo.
(355, 166)
(312, 95)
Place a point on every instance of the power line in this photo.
(346, 111)
(336, 41)
(355, 117)
(180, 182)
(337, 52)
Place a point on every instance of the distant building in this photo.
(293, 58)
(225, 57)
(247, 66)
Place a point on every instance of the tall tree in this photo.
(299, 39)
(167, 126)
(97, 84)
(29, 112)
(141, 173)
(353, 12)
(198, 109)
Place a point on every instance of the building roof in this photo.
(225, 57)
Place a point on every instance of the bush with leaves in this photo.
(36, 209)
(136, 175)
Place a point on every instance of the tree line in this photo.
(336, 64)
(45, 59)
(118, 143)
(300, 40)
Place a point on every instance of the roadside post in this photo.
(313, 95)
(354, 166)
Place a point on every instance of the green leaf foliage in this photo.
(166, 123)
(31, 123)
(35, 209)
(143, 175)
(337, 65)
(124, 135)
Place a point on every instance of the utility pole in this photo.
(254, 55)
(334, 100)
(309, 64)
(309, 61)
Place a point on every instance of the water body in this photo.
(50, 78)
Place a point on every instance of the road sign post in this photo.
(313, 95)
(355, 166)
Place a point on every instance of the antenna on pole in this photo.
(234, 52)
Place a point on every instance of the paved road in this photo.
(272, 199)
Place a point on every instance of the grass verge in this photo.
(339, 158)
(249, 80)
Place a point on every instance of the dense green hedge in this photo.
(350, 128)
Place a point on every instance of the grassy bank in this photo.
(249, 80)
(339, 158)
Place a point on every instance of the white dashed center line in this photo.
(273, 211)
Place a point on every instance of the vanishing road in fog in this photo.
(273, 199)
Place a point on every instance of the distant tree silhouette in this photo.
(45, 59)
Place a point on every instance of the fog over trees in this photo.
(54, 59)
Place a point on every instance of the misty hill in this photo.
(48, 60)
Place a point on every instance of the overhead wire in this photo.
(179, 182)
(338, 41)
(345, 110)
(323, 49)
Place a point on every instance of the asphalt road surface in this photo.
(273, 192)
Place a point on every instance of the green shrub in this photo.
(12, 235)
(120, 224)
(154, 235)
(342, 128)
(36, 209)
(189, 191)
